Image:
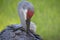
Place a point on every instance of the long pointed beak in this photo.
(28, 24)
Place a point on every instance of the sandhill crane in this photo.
(26, 11)
(14, 32)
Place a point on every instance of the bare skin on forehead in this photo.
(29, 14)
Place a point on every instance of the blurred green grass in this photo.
(47, 16)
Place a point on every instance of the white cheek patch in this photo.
(25, 13)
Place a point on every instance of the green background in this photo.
(46, 17)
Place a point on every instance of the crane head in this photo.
(29, 14)
(27, 9)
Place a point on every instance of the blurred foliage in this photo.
(47, 16)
